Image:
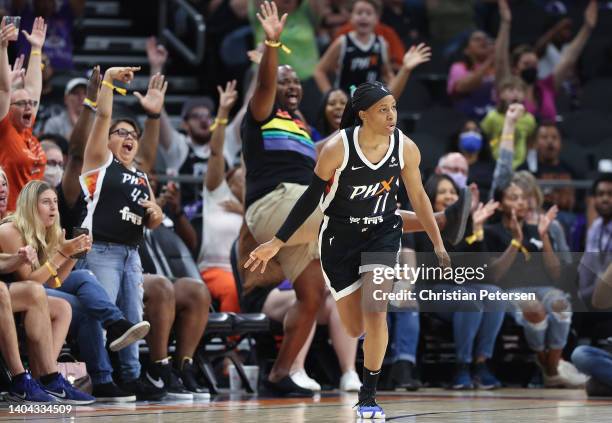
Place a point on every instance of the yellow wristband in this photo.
(509, 137)
(35, 53)
(476, 236)
(218, 122)
(277, 44)
(519, 246)
(121, 91)
(91, 103)
(58, 281)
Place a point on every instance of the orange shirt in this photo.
(396, 46)
(21, 157)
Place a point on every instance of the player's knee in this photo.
(354, 329)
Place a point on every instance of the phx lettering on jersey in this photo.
(368, 191)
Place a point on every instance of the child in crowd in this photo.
(511, 90)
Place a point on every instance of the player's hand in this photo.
(443, 257)
(263, 254)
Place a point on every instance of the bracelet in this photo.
(153, 115)
(35, 53)
(217, 122)
(476, 236)
(507, 137)
(58, 281)
(277, 44)
(119, 90)
(62, 254)
(91, 103)
(521, 248)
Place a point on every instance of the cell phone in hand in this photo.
(15, 20)
(76, 232)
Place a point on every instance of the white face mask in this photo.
(459, 178)
(53, 175)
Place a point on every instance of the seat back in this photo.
(175, 253)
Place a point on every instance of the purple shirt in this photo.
(546, 108)
(58, 43)
(477, 103)
(597, 257)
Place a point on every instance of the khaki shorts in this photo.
(265, 217)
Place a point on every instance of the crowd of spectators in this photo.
(69, 161)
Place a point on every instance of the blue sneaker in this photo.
(462, 379)
(65, 393)
(483, 378)
(25, 389)
(367, 408)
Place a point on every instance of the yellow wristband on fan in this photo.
(277, 44)
(35, 53)
(218, 122)
(121, 91)
(519, 246)
(91, 103)
(58, 281)
(476, 236)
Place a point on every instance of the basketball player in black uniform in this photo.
(356, 182)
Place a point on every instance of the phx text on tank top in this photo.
(360, 63)
(362, 193)
(113, 194)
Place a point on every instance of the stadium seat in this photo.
(441, 122)
(597, 95)
(586, 127)
(415, 97)
(174, 259)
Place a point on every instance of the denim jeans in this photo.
(476, 327)
(404, 330)
(85, 327)
(594, 362)
(552, 333)
(119, 271)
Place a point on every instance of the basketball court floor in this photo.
(428, 405)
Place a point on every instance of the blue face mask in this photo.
(470, 142)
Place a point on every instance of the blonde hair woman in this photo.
(36, 223)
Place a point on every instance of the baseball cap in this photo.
(192, 103)
(73, 83)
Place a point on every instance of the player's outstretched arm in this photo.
(419, 200)
(330, 159)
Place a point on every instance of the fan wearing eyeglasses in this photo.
(120, 204)
(21, 154)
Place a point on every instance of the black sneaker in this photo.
(109, 392)
(164, 373)
(145, 390)
(595, 388)
(403, 376)
(287, 388)
(456, 217)
(122, 333)
(190, 381)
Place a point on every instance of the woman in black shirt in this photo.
(475, 323)
(526, 262)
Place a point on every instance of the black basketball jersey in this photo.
(360, 192)
(113, 194)
(359, 63)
